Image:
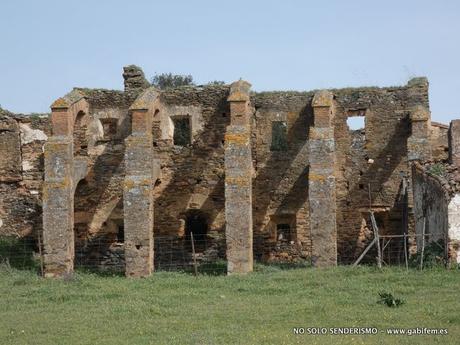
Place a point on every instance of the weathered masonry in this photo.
(138, 176)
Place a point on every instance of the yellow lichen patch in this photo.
(316, 177)
(60, 103)
(129, 184)
(239, 181)
(236, 138)
(54, 185)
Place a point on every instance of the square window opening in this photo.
(356, 119)
(283, 232)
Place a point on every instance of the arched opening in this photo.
(98, 229)
(80, 143)
(196, 223)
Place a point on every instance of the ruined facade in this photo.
(269, 176)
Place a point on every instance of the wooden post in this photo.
(364, 253)
(377, 240)
(405, 252)
(195, 269)
(423, 244)
(375, 228)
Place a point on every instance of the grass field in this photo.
(261, 308)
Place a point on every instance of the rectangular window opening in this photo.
(279, 136)
(182, 131)
(110, 128)
(356, 119)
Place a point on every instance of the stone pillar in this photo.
(454, 142)
(418, 144)
(321, 181)
(58, 211)
(238, 181)
(138, 196)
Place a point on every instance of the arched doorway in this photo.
(196, 223)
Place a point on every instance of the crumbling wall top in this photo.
(322, 98)
(239, 91)
(418, 81)
(134, 79)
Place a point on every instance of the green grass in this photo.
(260, 308)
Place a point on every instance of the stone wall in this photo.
(191, 184)
(98, 207)
(280, 187)
(21, 172)
(374, 157)
(192, 176)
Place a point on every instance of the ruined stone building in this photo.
(268, 176)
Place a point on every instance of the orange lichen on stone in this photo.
(60, 103)
(241, 138)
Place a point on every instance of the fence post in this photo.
(423, 244)
(193, 253)
(42, 269)
(405, 251)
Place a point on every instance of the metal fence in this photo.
(207, 255)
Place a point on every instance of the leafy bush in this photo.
(438, 170)
(433, 255)
(389, 300)
(169, 80)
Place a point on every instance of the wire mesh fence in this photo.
(207, 255)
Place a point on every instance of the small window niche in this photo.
(109, 127)
(356, 119)
(283, 228)
(279, 136)
(283, 232)
(120, 233)
(182, 135)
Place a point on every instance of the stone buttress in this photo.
(238, 182)
(321, 181)
(141, 173)
(62, 173)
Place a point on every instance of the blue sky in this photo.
(48, 47)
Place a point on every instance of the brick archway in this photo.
(63, 171)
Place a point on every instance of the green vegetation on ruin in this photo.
(261, 308)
